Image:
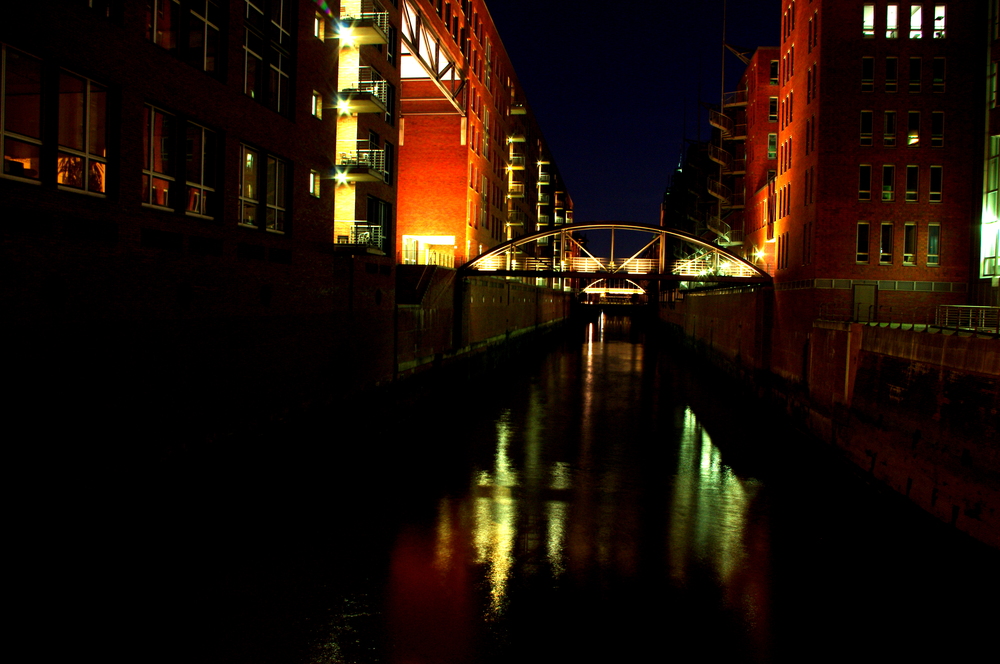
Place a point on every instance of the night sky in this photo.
(616, 93)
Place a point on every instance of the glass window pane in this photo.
(72, 110)
(23, 95)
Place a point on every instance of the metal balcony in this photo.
(515, 190)
(518, 109)
(516, 137)
(736, 167)
(363, 96)
(720, 156)
(361, 166)
(737, 98)
(363, 28)
(517, 162)
(719, 190)
(730, 130)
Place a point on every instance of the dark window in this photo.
(21, 121)
(267, 47)
(190, 29)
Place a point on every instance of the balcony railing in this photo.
(361, 165)
(737, 98)
(363, 25)
(517, 161)
(969, 317)
(363, 95)
(515, 190)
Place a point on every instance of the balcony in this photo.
(736, 167)
(544, 199)
(515, 190)
(730, 130)
(515, 218)
(720, 156)
(544, 178)
(737, 98)
(361, 166)
(360, 233)
(362, 28)
(517, 162)
(518, 109)
(516, 137)
(363, 96)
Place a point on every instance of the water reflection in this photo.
(591, 470)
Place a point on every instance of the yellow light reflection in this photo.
(495, 518)
(709, 510)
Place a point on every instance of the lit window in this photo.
(912, 183)
(772, 109)
(885, 244)
(933, 244)
(916, 22)
(891, 74)
(863, 243)
(937, 180)
(200, 170)
(909, 244)
(888, 183)
(865, 183)
(939, 17)
(249, 175)
(891, 21)
(158, 140)
(255, 177)
(868, 21)
(82, 160)
(314, 183)
(866, 128)
(913, 129)
(21, 109)
(319, 26)
(889, 129)
(772, 146)
(937, 129)
(317, 104)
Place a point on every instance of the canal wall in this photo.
(444, 317)
(916, 410)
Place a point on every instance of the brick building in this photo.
(474, 167)
(869, 140)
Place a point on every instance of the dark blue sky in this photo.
(616, 93)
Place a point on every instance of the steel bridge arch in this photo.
(713, 263)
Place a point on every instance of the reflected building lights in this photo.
(709, 509)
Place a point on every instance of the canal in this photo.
(610, 500)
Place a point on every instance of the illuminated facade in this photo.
(474, 169)
(217, 176)
(989, 236)
(873, 148)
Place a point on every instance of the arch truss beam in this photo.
(702, 262)
(424, 45)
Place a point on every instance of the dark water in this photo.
(609, 501)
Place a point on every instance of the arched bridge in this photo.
(668, 255)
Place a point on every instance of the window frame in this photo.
(885, 243)
(34, 145)
(888, 183)
(865, 182)
(862, 243)
(266, 193)
(92, 180)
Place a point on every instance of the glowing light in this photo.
(341, 178)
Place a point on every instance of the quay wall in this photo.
(443, 316)
(915, 410)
